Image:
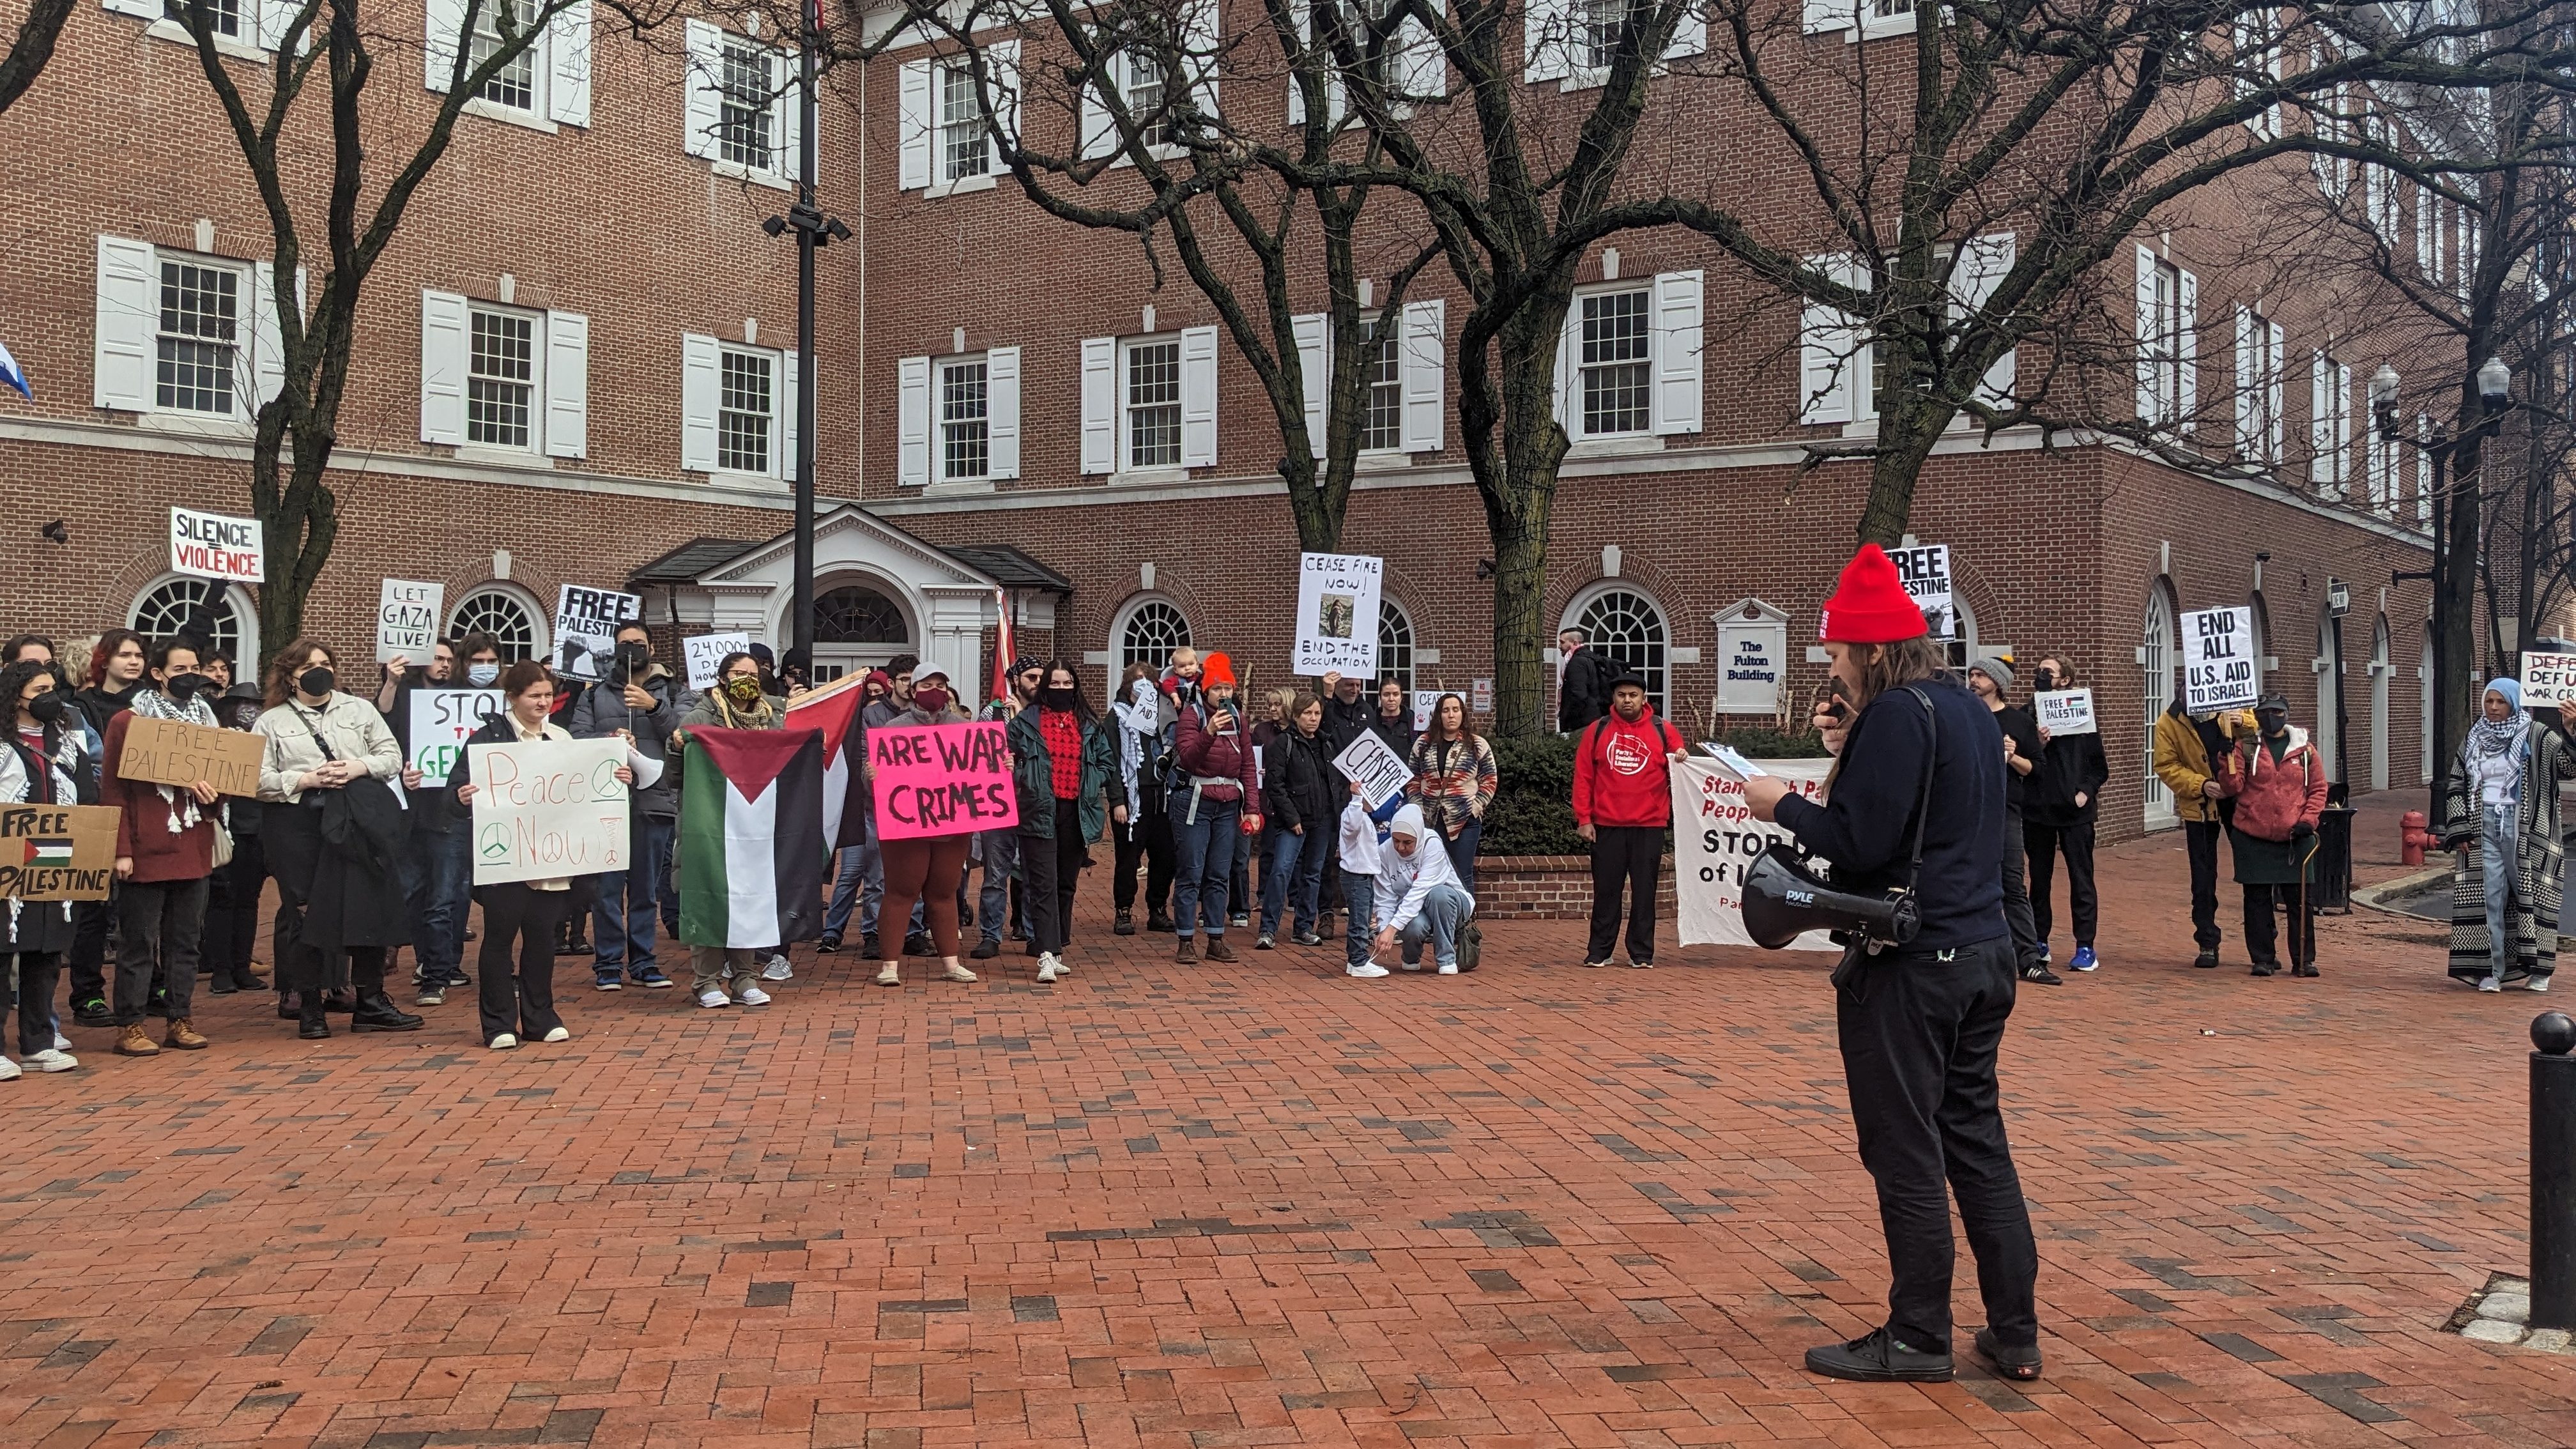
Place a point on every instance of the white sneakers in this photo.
(777, 970)
(1368, 971)
(751, 995)
(504, 1042)
(957, 972)
(1063, 967)
(9, 1070)
(1048, 968)
(713, 997)
(54, 1059)
(62, 1043)
(1448, 968)
(2536, 983)
(2489, 983)
(559, 1034)
(890, 974)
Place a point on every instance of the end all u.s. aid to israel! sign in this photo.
(217, 546)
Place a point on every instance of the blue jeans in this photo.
(2498, 848)
(1206, 850)
(993, 901)
(622, 915)
(859, 864)
(438, 881)
(1297, 867)
(1444, 912)
(1359, 894)
(1462, 853)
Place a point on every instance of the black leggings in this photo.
(1051, 870)
(1146, 837)
(521, 1003)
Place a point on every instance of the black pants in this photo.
(1919, 1033)
(2200, 837)
(1633, 856)
(521, 1003)
(1146, 837)
(2075, 842)
(87, 963)
(2299, 902)
(2025, 931)
(33, 998)
(232, 914)
(1050, 870)
(292, 836)
(157, 920)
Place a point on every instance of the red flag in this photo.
(1002, 649)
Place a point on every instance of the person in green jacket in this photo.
(1064, 768)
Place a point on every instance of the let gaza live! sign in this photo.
(943, 779)
(217, 546)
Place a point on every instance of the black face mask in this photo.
(317, 681)
(1058, 698)
(2043, 680)
(633, 655)
(184, 686)
(2273, 723)
(49, 707)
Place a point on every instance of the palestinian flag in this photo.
(48, 851)
(834, 709)
(751, 833)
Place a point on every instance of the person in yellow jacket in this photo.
(2185, 744)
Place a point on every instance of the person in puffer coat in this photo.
(2279, 785)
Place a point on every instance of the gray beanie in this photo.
(1996, 670)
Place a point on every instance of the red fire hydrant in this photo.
(2413, 838)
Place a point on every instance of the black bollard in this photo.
(2553, 1171)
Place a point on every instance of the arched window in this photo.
(1394, 644)
(2156, 658)
(500, 612)
(2262, 617)
(219, 611)
(856, 614)
(1965, 649)
(2379, 704)
(1147, 634)
(1628, 629)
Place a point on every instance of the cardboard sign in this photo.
(945, 779)
(407, 620)
(170, 752)
(1337, 596)
(2064, 711)
(1926, 572)
(586, 623)
(2219, 670)
(440, 721)
(1376, 768)
(2547, 679)
(217, 546)
(707, 651)
(57, 852)
(545, 809)
(1715, 841)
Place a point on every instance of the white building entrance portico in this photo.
(878, 592)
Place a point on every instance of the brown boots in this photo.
(131, 1042)
(184, 1036)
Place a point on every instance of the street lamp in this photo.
(813, 229)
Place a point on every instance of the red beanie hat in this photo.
(1216, 669)
(1870, 605)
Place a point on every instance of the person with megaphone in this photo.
(1914, 807)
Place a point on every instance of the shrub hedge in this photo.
(1533, 813)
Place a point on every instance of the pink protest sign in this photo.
(941, 779)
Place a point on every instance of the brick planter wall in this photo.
(1540, 887)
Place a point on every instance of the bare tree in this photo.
(34, 47)
(356, 218)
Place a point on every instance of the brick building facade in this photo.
(1025, 423)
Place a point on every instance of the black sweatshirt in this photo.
(2071, 765)
(1866, 825)
(2023, 731)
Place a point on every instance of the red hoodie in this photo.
(1619, 772)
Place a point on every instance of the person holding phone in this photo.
(1920, 1024)
(1216, 796)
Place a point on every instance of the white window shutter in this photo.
(1002, 413)
(274, 17)
(2320, 422)
(1829, 346)
(128, 314)
(1569, 373)
(1545, 25)
(701, 391)
(914, 132)
(568, 54)
(1202, 44)
(139, 9)
(267, 372)
(1198, 397)
(2249, 378)
(1825, 15)
(1422, 371)
(912, 421)
(1690, 34)
(2149, 413)
(1336, 101)
(567, 385)
(1314, 332)
(2187, 348)
(700, 107)
(784, 404)
(1678, 388)
(1099, 406)
(1423, 72)
(1982, 265)
(1098, 136)
(2276, 368)
(2342, 426)
(444, 23)
(1002, 82)
(444, 324)
(790, 129)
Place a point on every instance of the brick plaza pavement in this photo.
(1262, 1204)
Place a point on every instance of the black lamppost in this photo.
(2495, 381)
(813, 229)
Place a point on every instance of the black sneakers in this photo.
(2038, 974)
(1878, 1357)
(2207, 960)
(2021, 1365)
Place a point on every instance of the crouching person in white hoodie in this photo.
(1418, 895)
(1359, 850)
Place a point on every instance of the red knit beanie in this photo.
(1870, 605)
